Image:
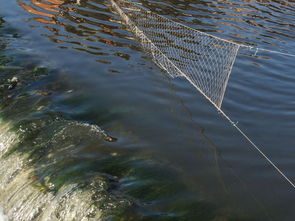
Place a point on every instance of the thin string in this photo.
(267, 50)
(258, 149)
(242, 133)
(230, 41)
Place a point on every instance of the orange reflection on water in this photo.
(34, 11)
(52, 6)
(45, 6)
(56, 2)
(44, 21)
(52, 10)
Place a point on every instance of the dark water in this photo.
(92, 129)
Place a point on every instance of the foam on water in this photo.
(3, 217)
(24, 198)
(7, 138)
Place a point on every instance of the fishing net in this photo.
(204, 60)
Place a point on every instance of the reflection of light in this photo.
(51, 18)
(45, 6)
(34, 11)
(52, 6)
(44, 21)
(71, 26)
(56, 2)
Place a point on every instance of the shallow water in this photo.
(92, 129)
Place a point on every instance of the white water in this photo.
(3, 217)
(23, 199)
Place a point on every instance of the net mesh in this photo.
(204, 60)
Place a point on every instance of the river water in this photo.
(92, 129)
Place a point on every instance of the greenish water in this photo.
(91, 129)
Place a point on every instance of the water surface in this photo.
(93, 129)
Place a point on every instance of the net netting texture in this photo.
(204, 60)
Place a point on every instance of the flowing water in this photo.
(92, 129)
